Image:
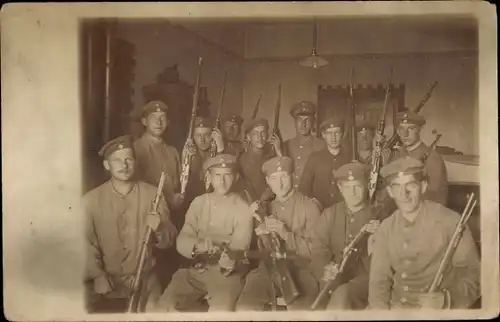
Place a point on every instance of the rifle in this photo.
(133, 302)
(186, 157)
(377, 151)
(213, 146)
(257, 106)
(347, 256)
(352, 108)
(395, 137)
(432, 146)
(277, 266)
(452, 246)
(275, 130)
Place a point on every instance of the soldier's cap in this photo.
(331, 122)
(364, 126)
(303, 108)
(351, 171)
(202, 121)
(148, 108)
(277, 164)
(234, 118)
(220, 161)
(119, 143)
(251, 124)
(400, 167)
(409, 117)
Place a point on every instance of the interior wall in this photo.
(452, 109)
(162, 44)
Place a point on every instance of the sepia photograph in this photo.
(236, 163)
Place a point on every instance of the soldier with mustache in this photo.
(304, 143)
(117, 215)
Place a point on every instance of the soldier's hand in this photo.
(431, 300)
(217, 137)
(101, 285)
(372, 226)
(331, 271)
(386, 155)
(225, 262)
(276, 143)
(177, 200)
(153, 220)
(261, 230)
(274, 225)
(254, 206)
(206, 246)
(378, 137)
(190, 147)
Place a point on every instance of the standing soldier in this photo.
(118, 213)
(410, 244)
(317, 179)
(293, 217)
(154, 156)
(259, 151)
(232, 131)
(409, 127)
(335, 229)
(304, 143)
(212, 219)
(203, 134)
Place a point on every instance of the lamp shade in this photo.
(314, 61)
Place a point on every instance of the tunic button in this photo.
(282, 208)
(300, 147)
(352, 220)
(405, 245)
(350, 235)
(406, 288)
(404, 275)
(298, 158)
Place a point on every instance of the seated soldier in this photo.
(409, 246)
(118, 214)
(336, 229)
(292, 220)
(213, 219)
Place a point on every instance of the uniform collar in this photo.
(151, 138)
(331, 152)
(414, 146)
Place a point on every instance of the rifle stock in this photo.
(186, 157)
(134, 297)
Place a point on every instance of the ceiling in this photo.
(266, 38)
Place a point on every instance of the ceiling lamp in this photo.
(314, 60)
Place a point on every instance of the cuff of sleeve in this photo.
(185, 247)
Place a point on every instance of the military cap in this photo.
(353, 170)
(410, 118)
(365, 125)
(221, 161)
(148, 108)
(256, 122)
(331, 123)
(277, 164)
(400, 167)
(201, 121)
(303, 108)
(119, 143)
(234, 118)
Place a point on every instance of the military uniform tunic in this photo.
(406, 256)
(233, 147)
(299, 214)
(317, 179)
(251, 163)
(222, 219)
(333, 231)
(115, 227)
(299, 150)
(154, 157)
(435, 168)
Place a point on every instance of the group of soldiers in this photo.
(320, 204)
